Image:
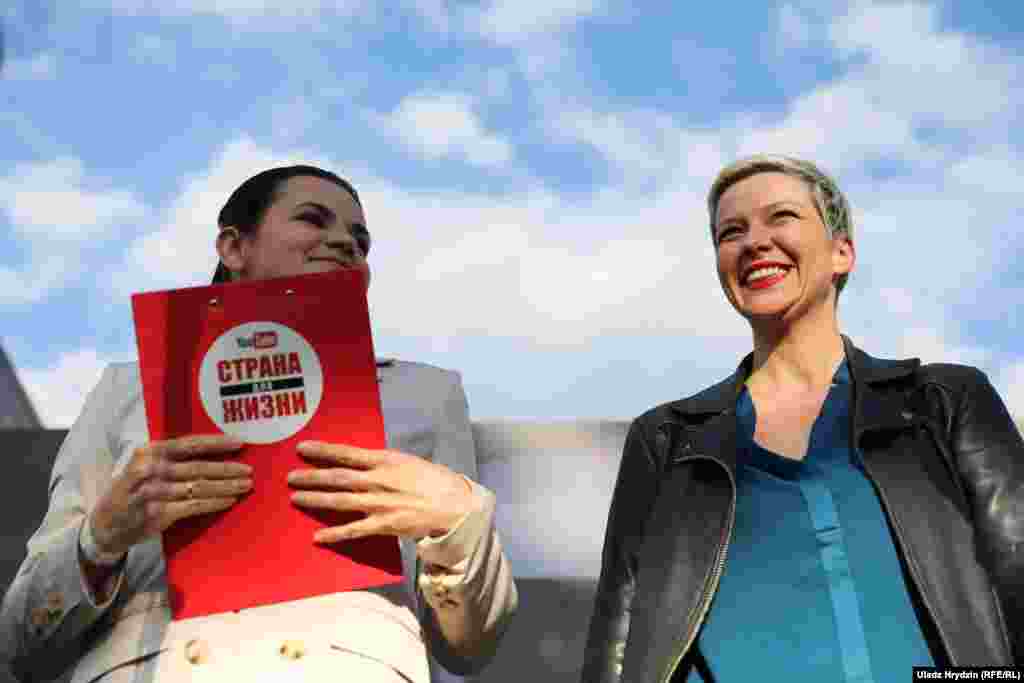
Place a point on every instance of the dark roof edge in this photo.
(23, 413)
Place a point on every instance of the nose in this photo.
(339, 239)
(757, 237)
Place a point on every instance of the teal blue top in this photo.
(812, 588)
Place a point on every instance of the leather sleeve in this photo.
(990, 455)
(609, 625)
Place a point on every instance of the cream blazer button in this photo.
(197, 652)
(291, 649)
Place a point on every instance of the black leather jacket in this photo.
(943, 455)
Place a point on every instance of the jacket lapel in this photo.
(708, 418)
(875, 408)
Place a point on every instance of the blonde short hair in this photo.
(828, 198)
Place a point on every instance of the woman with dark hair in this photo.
(90, 600)
(248, 204)
(820, 515)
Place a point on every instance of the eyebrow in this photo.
(319, 207)
(357, 228)
(784, 202)
(766, 207)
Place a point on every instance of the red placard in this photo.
(274, 362)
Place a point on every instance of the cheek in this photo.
(723, 278)
(724, 262)
(823, 256)
(306, 241)
(295, 250)
(287, 256)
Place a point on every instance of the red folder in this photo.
(274, 362)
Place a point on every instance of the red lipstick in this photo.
(767, 282)
(764, 283)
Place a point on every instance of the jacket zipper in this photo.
(709, 591)
(705, 603)
(911, 563)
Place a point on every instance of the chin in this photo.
(759, 316)
(763, 308)
(765, 311)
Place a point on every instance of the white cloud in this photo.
(40, 67)
(539, 33)
(897, 304)
(58, 392)
(438, 125)
(552, 271)
(640, 149)
(54, 213)
(903, 73)
(445, 248)
(933, 345)
(906, 322)
(508, 21)
(902, 69)
(548, 270)
(50, 201)
(990, 171)
(900, 33)
(916, 67)
(839, 125)
(558, 271)
(899, 300)
(644, 145)
(451, 267)
(903, 230)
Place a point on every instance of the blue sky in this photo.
(533, 173)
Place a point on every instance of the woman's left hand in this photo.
(401, 494)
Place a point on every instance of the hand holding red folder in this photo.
(400, 494)
(166, 482)
(273, 362)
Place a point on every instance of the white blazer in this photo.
(52, 626)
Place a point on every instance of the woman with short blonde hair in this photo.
(820, 514)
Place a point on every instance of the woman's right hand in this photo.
(167, 481)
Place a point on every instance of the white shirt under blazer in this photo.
(52, 625)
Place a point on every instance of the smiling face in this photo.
(312, 226)
(776, 260)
